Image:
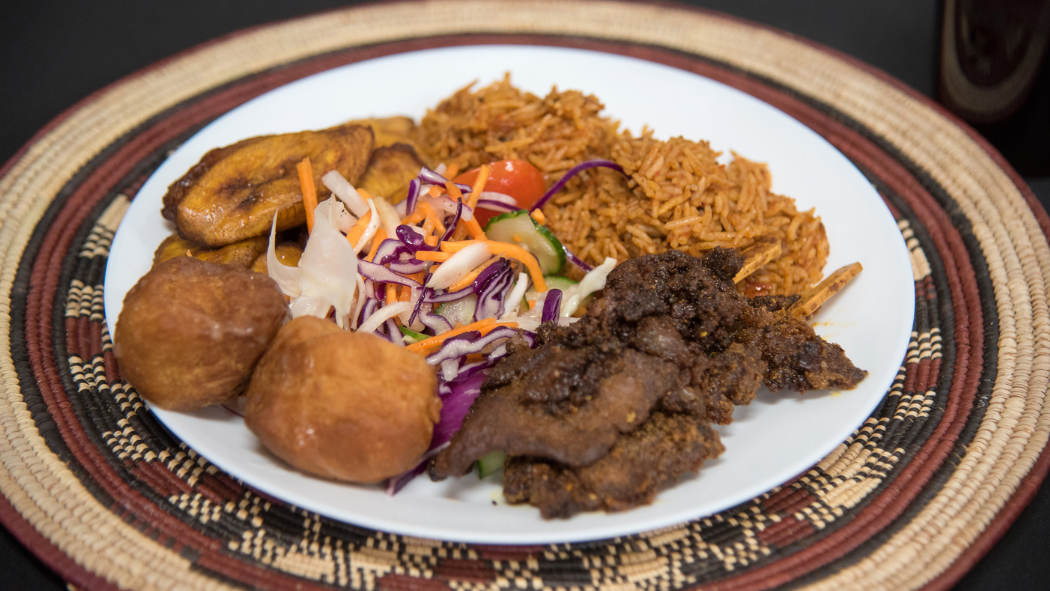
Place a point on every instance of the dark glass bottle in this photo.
(994, 72)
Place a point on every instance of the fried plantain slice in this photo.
(390, 170)
(389, 130)
(180, 188)
(288, 253)
(239, 254)
(234, 192)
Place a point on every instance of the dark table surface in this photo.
(54, 53)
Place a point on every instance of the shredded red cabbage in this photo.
(419, 300)
(412, 238)
(390, 250)
(469, 343)
(394, 484)
(413, 195)
(577, 261)
(437, 324)
(398, 257)
(494, 201)
(429, 176)
(451, 227)
(455, 406)
(493, 295)
(381, 274)
(575, 170)
(487, 273)
(431, 296)
(551, 306)
(393, 333)
(371, 305)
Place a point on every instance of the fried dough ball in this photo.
(191, 332)
(342, 405)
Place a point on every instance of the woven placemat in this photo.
(97, 488)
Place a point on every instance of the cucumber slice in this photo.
(558, 282)
(490, 463)
(553, 282)
(413, 336)
(458, 312)
(518, 228)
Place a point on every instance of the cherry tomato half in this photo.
(517, 178)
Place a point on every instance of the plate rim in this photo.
(518, 538)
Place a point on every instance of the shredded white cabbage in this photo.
(514, 299)
(389, 219)
(449, 369)
(382, 315)
(344, 219)
(345, 192)
(359, 302)
(459, 264)
(370, 229)
(287, 278)
(531, 318)
(591, 282)
(327, 273)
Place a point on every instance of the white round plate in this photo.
(771, 441)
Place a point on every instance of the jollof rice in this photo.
(676, 194)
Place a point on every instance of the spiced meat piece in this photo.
(568, 405)
(718, 382)
(710, 315)
(775, 303)
(569, 398)
(637, 467)
(797, 358)
(694, 293)
(670, 316)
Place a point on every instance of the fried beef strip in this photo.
(604, 412)
(796, 357)
(565, 404)
(641, 463)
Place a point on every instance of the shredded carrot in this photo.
(470, 277)
(306, 181)
(432, 255)
(354, 235)
(474, 229)
(405, 294)
(515, 252)
(391, 293)
(380, 236)
(364, 194)
(453, 191)
(414, 218)
(479, 185)
(427, 346)
(539, 217)
(461, 232)
(433, 218)
(434, 191)
(452, 171)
